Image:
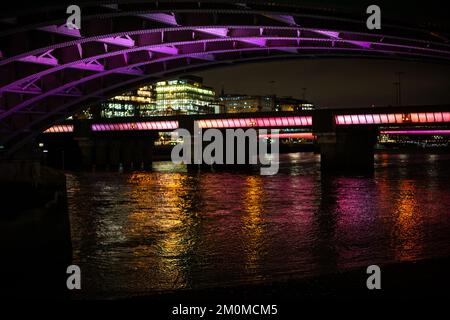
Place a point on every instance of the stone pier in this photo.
(347, 149)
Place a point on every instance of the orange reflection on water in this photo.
(408, 222)
(167, 227)
(253, 222)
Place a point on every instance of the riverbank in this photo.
(418, 280)
(34, 232)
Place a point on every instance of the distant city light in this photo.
(427, 117)
(294, 121)
(61, 128)
(292, 135)
(135, 126)
(417, 132)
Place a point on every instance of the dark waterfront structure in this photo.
(345, 137)
(317, 222)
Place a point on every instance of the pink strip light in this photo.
(293, 135)
(297, 121)
(61, 128)
(418, 132)
(135, 126)
(394, 118)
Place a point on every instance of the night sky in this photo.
(338, 82)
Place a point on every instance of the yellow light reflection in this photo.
(253, 222)
(167, 226)
(408, 223)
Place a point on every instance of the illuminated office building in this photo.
(186, 95)
(234, 103)
(292, 104)
(217, 107)
(138, 103)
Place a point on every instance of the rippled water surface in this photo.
(136, 233)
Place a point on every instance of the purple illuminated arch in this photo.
(119, 47)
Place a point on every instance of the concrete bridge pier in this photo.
(350, 151)
(113, 151)
(345, 149)
(195, 132)
(130, 152)
(86, 146)
(234, 150)
(221, 164)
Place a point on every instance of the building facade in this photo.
(136, 103)
(235, 103)
(185, 95)
(292, 104)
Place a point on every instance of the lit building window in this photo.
(186, 95)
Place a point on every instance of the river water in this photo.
(137, 233)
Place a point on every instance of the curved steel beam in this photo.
(198, 55)
(181, 43)
(329, 35)
(260, 43)
(240, 7)
(269, 12)
(175, 57)
(286, 14)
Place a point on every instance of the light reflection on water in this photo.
(141, 232)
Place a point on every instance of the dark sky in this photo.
(338, 82)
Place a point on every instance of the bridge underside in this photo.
(49, 72)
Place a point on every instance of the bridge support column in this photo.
(82, 135)
(112, 153)
(349, 151)
(189, 125)
(101, 155)
(249, 150)
(243, 155)
(87, 152)
(127, 150)
(137, 151)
